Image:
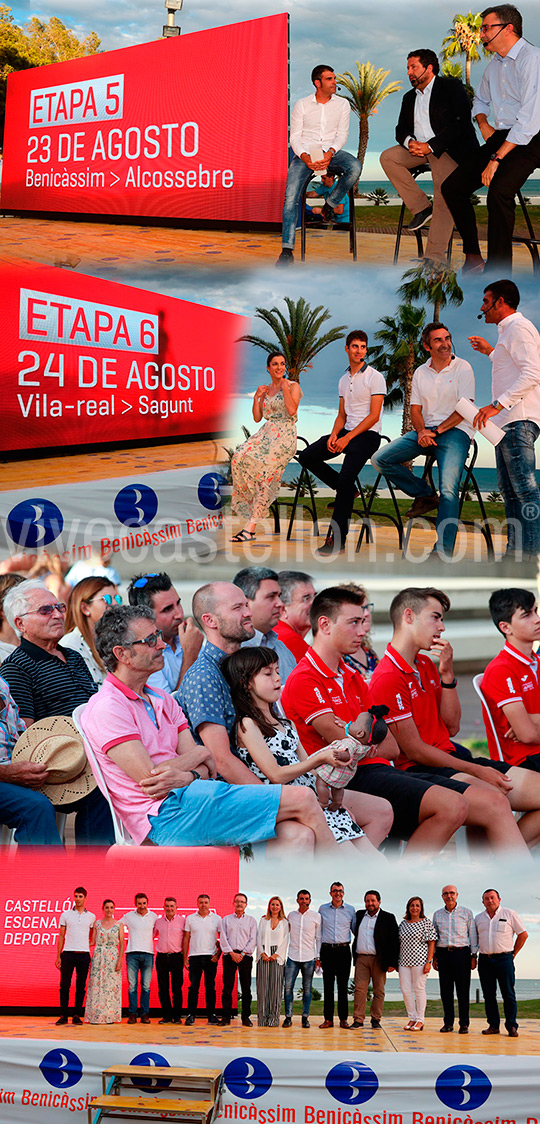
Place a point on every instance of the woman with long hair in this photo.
(88, 601)
(272, 945)
(417, 937)
(268, 744)
(258, 464)
(104, 996)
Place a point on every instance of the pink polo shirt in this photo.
(117, 714)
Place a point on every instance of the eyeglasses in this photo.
(368, 606)
(46, 610)
(151, 640)
(141, 582)
(489, 27)
(108, 598)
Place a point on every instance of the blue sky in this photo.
(338, 34)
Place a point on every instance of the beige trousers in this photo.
(368, 968)
(397, 163)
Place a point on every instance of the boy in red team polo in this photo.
(324, 697)
(510, 684)
(425, 714)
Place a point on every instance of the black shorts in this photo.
(403, 791)
(466, 755)
(439, 771)
(531, 762)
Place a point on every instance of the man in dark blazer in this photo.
(375, 952)
(434, 128)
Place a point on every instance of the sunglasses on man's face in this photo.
(151, 640)
(46, 610)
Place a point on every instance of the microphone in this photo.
(487, 42)
(415, 81)
(482, 314)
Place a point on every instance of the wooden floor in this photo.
(98, 245)
(77, 468)
(390, 1039)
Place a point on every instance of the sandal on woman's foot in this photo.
(244, 536)
(410, 1024)
(417, 1026)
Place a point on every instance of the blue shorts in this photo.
(216, 814)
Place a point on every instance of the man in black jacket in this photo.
(434, 128)
(375, 952)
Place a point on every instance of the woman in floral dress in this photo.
(258, 465)
(104, 996)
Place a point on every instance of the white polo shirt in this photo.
(496, 934)
(203, 934)
(78, 926)
(141, 930)
(356, 391)
(438, 392)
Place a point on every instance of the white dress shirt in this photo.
(438, 392)
(423, 131)
(515, 374)
(496, 934)
(305, 940)
(511, 87)
(365, 942)
(356, 391)
(316, 123)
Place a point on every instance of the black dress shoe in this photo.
(463, 1030)
(178, 1020)
(61, 1021)
(287, 1021)
(224, 1021)
(212, 1020)
(76, 1021)
(161, 1021)
(420, 219)
(328, 215)
(247, 1022)
(286, 258)
(190, 1020)
(446, 1029)
(305, 1022)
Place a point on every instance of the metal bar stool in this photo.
(532, 242)
(417, 233)
(468, 480)
(352, 224)
(297, 500)
(364, 508)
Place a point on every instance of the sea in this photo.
(525, 989)
(530, 190)
(486, 478)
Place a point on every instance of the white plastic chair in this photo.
(486, 714)
(121, 834)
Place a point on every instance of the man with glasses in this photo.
(337, 927)
(510, 86)
(182, 637)
(45, 680)
(455, 957)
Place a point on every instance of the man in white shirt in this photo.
(201, 955)
(435, 128)
(73, 955)
(304, 954)
(515, 382)
(182, 638)
(438, 430)
(319, 131)
(496, 928)
(510, 86)
(356, 433)
(140, 955)
(238, 940)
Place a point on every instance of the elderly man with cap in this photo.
(46, 682)
(455, 956)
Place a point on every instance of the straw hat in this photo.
(56, 743)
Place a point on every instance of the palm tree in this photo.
(398, 353)
(429, 281)
(296, 336)
(464, 39)
(378, 196)
(365, 95)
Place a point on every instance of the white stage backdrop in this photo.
(51, 1081)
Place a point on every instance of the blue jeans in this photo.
(30, 813)
(450, 454)
(139, 962)
(346, 167)
(516, 474)
(292, 968)
(500, 970)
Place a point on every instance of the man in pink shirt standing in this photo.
(170, 961)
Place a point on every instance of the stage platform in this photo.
(390, 1039)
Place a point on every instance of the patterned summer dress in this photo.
(283, 745)
(104, 997)
(258, 465)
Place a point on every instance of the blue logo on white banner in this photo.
(150, 1084)
(209, 491)
(352, 1083)
(247, 1078)
(136, 505)
(463, 1086)
(61, 1068)
(34, 522)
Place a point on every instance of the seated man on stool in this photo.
(356, 432)
(438, 429)
(319, 131)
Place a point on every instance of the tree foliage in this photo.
(365, 94)
(398, 352)
(38, 43)
(436, 284)
(296, 335)
(464, 39)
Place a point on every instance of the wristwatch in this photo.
(497, 405)
(196, 776)
(495, 157)
(449, 686)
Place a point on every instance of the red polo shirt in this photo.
(292, 640)
(411, 693)
(313, 689)
(511, 677)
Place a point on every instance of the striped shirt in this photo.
(456, 928)
(11, 723)
(42, 684)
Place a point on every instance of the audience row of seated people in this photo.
(233, 729)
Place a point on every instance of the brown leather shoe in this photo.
(145, 1018)
(132, 1019)
(326, 1024)
(421, 505)
(491, 1030)
(345, 1025)
(513, 1032)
